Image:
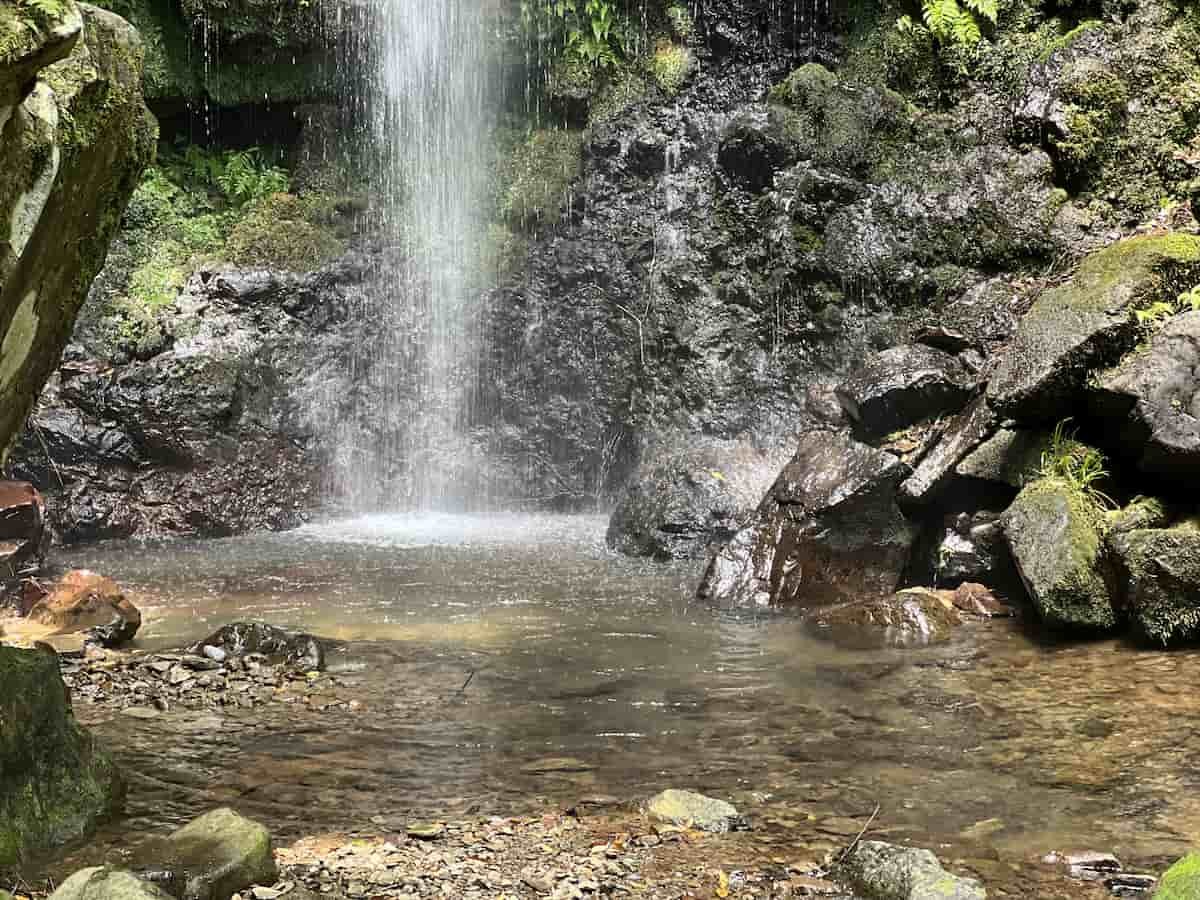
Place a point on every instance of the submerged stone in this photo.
(686, 809)
(910, 618)
(1162, 576)
(887, 872)
(57, 784)
(211, 858)
(1088, 323)
(1055, 534)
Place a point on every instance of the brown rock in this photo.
(83, 601)
(24, 537)
(978, 600)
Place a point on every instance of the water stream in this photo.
(994, 749)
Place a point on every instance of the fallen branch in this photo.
(854, 843)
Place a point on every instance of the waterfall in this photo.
(430, 129)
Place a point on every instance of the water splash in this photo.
(429, 123)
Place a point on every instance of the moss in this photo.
(670, 66)
(281, 231)
(1064, 41)
(537, 177)
(1096, 101)
(806, 87)
(504, 254)
(1181, 881)
(625, 87)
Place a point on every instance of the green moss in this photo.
(284, 231)
(670, 65)
(806, 87)
(537, 177)
(625, 87)
(1064, 41)
(1181, 881)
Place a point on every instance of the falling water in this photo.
(430, 129)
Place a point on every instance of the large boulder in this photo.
(887, 872)
(829, 530)
(87, 601)
(57, 784)
(1088, 323)
(211, 858)
(104, 883)
(77, 137)
(24, 537)
(905, 385)
(1152, 400)
(293, 649)
(679, 502)
(1055, 534)
(1162, 576)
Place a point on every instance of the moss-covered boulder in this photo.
(887, 872)
(1055, 532)
(1089, 323)
(1161, 567)
(1011, 457)
(1181, 881)
(104, 883)
(76, 142)
(56, 783)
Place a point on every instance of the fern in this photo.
(953, 24)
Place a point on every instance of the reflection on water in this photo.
(995, 749)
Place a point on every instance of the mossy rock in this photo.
(1181, 881)
(537, 177)
(1162, 577)
(57, 783)
(104, 883)
(886, 872)
(284, 232)
(1055, 533)
(1089, 323)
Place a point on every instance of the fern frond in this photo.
(989, 9)
(966, 30)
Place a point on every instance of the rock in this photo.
(905, 385)
(1140, 512)
(978, 600)
(678, 502)
(211, 858)
(1011, 457)
(936, 469)
(426, 831)
(86, 601)
(1054, 533)
(24, 537)
(887, 872)
(910, 618)
(967, 547)
(57, 783)
(686, 809)
(105, 883)
(1152, 399)
(829, 530)
(297, 650)
(1088, 323)
(1181, 881)
(758, 142)
(71, 164)
(1162, 577)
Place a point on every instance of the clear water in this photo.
(995, 749)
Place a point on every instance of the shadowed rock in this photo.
(1162, 576)
(294, 649)
(211, 858)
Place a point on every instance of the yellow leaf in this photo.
(717, 475)
(722, 884)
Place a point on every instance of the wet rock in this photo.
(1152, 399)
(687, 809)
(910, 618)
(904, 385)
(1140, 512)
(1162, 577)
(296, 650)
(86, 601)
(758, 142)
(57, 783)
(978, 600)
(105, 883)
(1011, 457)
(1088, 323)
(887, 872)
(828, 530)
(936, 469)
(678, 502)
(1054, 533)
(24, 537)
(1181, 881)
(970, 548)
(211, 858)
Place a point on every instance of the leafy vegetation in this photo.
(1082, 467)
(952, 23)
(1158, 312)
(589, 31)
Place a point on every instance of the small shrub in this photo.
(1080, 466)
(670, 66)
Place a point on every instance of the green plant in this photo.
(950, 25)
(1082, 467)
(1161, 310)
(50, 9)
(590, 31)
(246, 177)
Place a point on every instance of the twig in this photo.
(859, 837)
(468, 681)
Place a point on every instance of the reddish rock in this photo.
(24, 537)
(978, 600)
(86, 601)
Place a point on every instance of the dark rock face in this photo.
(760, 141)
(971, 549)
(1088, 323)
(1054, 533)
(936, 469)
(1011, 457)
(829, 530)
(680, 501)
(903, 386)
(1162, 570)
(1153, 398)
(57, 783)
(303, 652)
(24, 537)
(213, 435)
